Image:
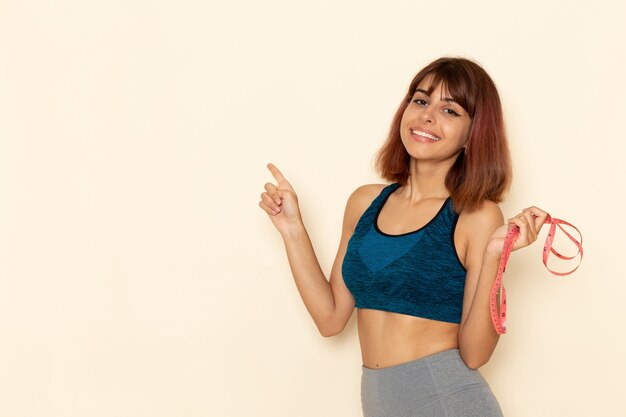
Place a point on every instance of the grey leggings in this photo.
(440, 385)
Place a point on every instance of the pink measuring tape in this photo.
(497, 300)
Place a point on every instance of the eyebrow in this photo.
(448, 99)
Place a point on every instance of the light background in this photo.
(138, 277)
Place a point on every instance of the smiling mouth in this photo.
(424, 134)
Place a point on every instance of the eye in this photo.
(451, 112)
(420, 101)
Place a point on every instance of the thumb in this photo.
(286, 193)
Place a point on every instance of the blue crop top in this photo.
(416, 273)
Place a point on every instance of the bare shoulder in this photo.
(365, 194)
(482, 221)
(359, 201)
(362, 197)
(486, 213)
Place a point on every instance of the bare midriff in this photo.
(389, 339)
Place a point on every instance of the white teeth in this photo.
(419, 132)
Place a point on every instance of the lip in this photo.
(421, 138)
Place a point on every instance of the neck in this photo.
(427, 180)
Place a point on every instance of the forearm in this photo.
(312, 285)
(477, 337)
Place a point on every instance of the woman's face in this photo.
(434, 127)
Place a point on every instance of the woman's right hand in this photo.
(280, 202)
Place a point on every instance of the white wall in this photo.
(138, 277)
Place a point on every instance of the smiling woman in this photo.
(429, 118)
(418, 257)
(451, 93)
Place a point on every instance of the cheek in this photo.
(463, 132)
(405, 117)
(404, 123)
(466, 131)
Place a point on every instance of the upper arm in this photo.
(476, 228)
(357, 203)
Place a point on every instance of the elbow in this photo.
(474, 360)
(330, 329)
(473, 363)
(328, 332)
(476, 353)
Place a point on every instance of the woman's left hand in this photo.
(529, 222)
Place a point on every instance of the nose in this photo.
(426, 117)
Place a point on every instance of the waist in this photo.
(388, 339)
(450, 358)
(435, 385)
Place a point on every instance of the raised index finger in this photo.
(276, 173)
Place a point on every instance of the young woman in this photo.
(418, 257)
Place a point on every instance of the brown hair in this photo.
(482, 171)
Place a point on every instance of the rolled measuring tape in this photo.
(497, 300)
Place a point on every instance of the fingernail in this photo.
(277, 201)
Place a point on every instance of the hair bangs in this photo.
(455, 82)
